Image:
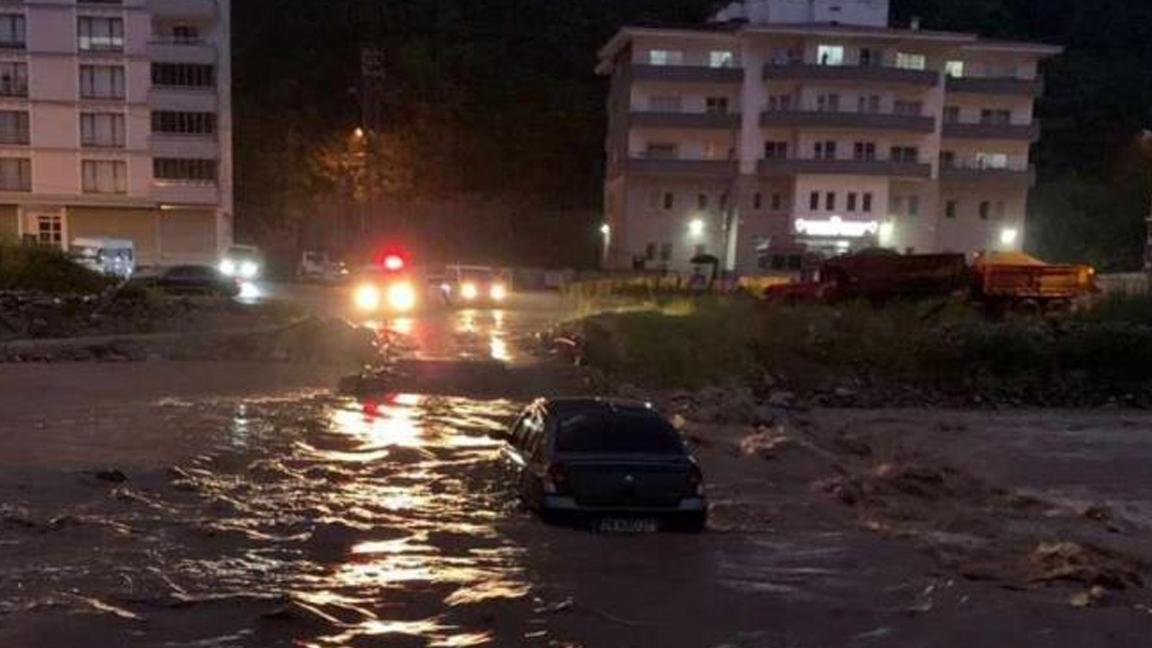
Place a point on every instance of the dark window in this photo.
(13, 79)
(183, 123)
(102, 81)
(11, 31)
(650, 252)
(183, 75)
(669, 200)
(852, 199)
(758, 201)
(864, 151)
(14, 127)
(795, 262)
(951, 114)
(868, 203)
(913, 205)
(619, 433)
(716, 105)
(702, 201)
(814, 201)
(830, 201)
(779, 261)
(826, 150)
(776, 150)
(184, 170)
(948, 159)
(905, 154)
(15, 174)
(777, 202)
(666, 252)
(985, 209)
(950, 208)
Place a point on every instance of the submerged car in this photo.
(616, 464)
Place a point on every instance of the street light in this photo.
(606, 229)
(696, 227)
(1009, 236)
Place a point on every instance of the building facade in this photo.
(116, 122)
(781, 133)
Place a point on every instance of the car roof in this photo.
(596, 405)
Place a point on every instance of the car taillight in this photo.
(696, 481)
(556, 481)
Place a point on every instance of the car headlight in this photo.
(367, 297)
(469, 291)
(249, 269)
(498, 292)
(228, 267)
(402, 297)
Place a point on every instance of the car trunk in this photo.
(628, 482)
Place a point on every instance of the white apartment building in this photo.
(116, 122)
(798, 127)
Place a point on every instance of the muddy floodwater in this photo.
(310, 520)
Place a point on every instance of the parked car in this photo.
(188, 280)
(243, 262)
(616, 464)
(112, 257)
(319, 267)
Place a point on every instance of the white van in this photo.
(112, 257)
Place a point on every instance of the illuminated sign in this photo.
(837, 227)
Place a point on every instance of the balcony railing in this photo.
(849, 120)
(850, 73)
(674, 119)
(669, 165)
(1016, 170)
(798, 166)
(1017, 132)
(687, 74)
(997, 86)
(183, 8)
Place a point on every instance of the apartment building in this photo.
(797, 127)
(116, 122)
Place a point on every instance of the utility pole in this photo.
(372, 76)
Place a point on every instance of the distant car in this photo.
(112, 257)
(188, 280)
(242, 262)
(317, 266)
(463, 285)
(617, 464)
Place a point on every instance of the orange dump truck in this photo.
(1001, 281)
(1014, 280)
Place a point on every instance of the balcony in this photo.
(1013, 132)
(997, 86)
(848, 120)
(702, 121)
(194, 9)
(1016, 172)
(851, 74)
(181, 51)
(687, 74)
(173, 193)
(690, 168)
(795, 166)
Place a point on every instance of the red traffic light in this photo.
(394, 262)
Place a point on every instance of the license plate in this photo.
(627, 525)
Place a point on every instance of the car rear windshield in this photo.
(617, 433)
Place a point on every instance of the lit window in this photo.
(50, 229)
(907, 61)
(99, 33)
(721, 59)
(665, 57)
(992, 160)
(954, 69)
(830, 55)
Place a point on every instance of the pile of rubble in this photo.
(25, 314)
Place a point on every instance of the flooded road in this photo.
(229, 505)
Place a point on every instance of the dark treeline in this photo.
(496, 101)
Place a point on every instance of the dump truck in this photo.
(1000, 281)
